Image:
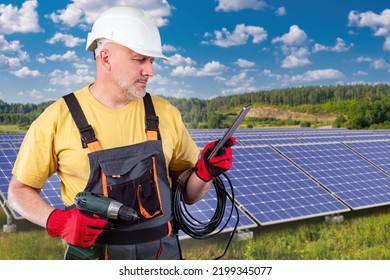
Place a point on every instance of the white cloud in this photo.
(386, 45)
(364, 59)
(71, 16)
(269, 74)
(178, 93)
(35, 93)
(380, 64)
(239, 36)
(237, 84)
(212, 68)
(292, 47)
(65, 78)
(240, 79)
(360, 73)
(12, 46)
(68, 56)
(41, 58)
(177, 60)
(237, 90)
(168, 48)
(318, 75)
(340, 46)
(83, 13)
(49, 90)
(295, 36)
(26, 72)
(4, 61)
(13, 61)
(184, 71)
(281, 11)
(370, 19)
(243, 63)
(237, 5)
(285, 80)
(159, 80)
(297, 58)
(23, 20)
(68, 40)
(377, 64)
(378, 23)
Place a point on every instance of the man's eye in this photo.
(143, 59)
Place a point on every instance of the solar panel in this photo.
(6, 145)
(272, 190)
(378, 152)
(202, 141)
(11, 136)
(50, 191)
(367, 137)
(323, 139)
(7, 159)
(262, 142)
(354, 180)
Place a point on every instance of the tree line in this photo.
(20, 114)
(356, 106)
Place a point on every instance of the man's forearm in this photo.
(196, 189)
(27, 202)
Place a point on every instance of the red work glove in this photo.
(218, 164)
(74, 227)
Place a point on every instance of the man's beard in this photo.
(131, 92)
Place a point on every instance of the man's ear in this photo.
(104, 56)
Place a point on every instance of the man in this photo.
(120, 154)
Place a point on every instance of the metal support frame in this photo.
(9, 226)
(243, 234)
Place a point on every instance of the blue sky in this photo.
(216, 47)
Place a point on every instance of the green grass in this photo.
(364, 235)
(29, 242)
(10, 128)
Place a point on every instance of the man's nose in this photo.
(148, 69)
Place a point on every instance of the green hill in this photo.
(350, 106)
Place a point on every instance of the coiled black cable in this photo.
(206, 229)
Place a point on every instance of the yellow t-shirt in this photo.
(53, 143)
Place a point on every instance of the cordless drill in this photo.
(106, 208)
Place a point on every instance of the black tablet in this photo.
(231, 130)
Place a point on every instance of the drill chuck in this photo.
(118, 211)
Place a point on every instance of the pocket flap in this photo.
(125, 165)
(124, 160)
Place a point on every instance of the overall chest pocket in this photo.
(134, 184)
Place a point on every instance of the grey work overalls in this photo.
(136, 176)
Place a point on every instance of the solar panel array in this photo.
(271, 189)
(282, 175)
(279, 175)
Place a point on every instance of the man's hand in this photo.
(218, 164)
(74, 227)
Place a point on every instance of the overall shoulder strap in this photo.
(88, 138)
(151, 119)
(86, 131)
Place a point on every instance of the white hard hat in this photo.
(128, 26)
